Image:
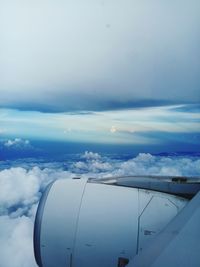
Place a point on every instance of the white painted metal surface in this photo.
(93, 224)
(59, 221)
(178, 244)
(156, 211)
(107, 227)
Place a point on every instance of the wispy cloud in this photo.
(129, 126)
(2, 131)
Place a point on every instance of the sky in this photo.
(93, 88)
(152, 129)
(105, 72)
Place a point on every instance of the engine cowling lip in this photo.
(37, 225)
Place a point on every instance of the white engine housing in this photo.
(85, 224)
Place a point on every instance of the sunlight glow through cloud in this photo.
(129, 126)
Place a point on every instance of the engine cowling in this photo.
(81, 223)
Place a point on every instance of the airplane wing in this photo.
(178, 244)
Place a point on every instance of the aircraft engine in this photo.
(92, 223)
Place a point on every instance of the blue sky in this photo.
(118, 73)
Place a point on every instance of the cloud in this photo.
(88, 57)
(91, 156)
(20, 191)
(21, 188)
(94, 166)
(17, 143)
(2, 131)
(143, 126)
(16, 242)
(143, 164)
(113, 129)
(195, 108)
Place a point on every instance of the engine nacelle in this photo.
(84, 223)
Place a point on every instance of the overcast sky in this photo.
(95, 55)
(115, 76)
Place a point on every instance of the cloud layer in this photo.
(70, 55)
(164, 126)
(20, 191)
(21, 188)
(16, 242)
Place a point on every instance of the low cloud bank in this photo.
(21, 188)
(143, 164)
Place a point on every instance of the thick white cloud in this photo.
(16, 243)
(143, 164)
(23, 195)
(20, 190)
(91, 156)
(146, 164)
